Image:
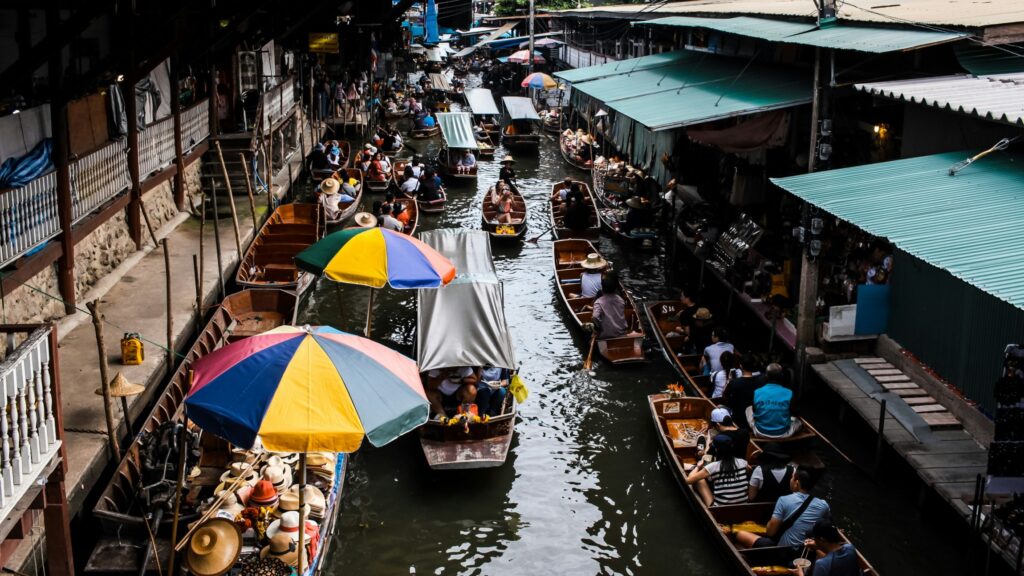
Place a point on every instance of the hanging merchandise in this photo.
(132, 349)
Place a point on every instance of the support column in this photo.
(65, 212)
(57, 524)
(131, 110)
(179, 158)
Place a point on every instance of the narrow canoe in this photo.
(269, 262)
(567, 155)
(347, 208)
(489, 217)
(592, 232)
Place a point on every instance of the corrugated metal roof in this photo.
(962, 13)
(481, 101)
(968, 224)
(621, 66)
(520, 108)
(841, 36)
(999, 97)
(457, 129)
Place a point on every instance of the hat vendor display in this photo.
(289, 524)
(239, 470)
(263, 494)
(214, 548)
(284, 549)
(314, 500)
(279, 476)
(289, 502)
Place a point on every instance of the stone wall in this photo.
(27, 306)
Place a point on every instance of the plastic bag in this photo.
(518, 389)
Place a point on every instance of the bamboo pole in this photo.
(216, 241)
(369, 314)
(202, 252)
(302, 513)
(252, 198)
(182, 452)
(199, 286)
(220, 500)
(231, 198)
(108, 412)
(167, 298)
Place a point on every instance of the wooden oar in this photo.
(590, 354)
(539, 236)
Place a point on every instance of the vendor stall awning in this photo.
(513, 42)
(840, 36)
(440, 82)
(482, 102)
(496, 34)
(621, 66)
(520, 108)
(968, 224)
(999, 97)
(457, 129)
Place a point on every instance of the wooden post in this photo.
(170, 317)
(179, 155)
(199, 286)
(214, 104)
(252, 199)
(231, 198)
(65, 210)
(216, 240)
(270, 165)
(202, 231)
(182, 460)
(108, 410)
(57, 526)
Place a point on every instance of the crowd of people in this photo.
(466, 391)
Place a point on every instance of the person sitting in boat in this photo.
(504, 201)
(420, 123)
(448, 389)
(722, 423)
(739, 394)
(429, 121)
(769, 480)
(428, 190)
(638, 216)
(479, 132)
(491, 390)
(836, 556)
(416, 165)
(410, 183)
(400, 213)
(385, 164)
(332, 199)
(711, 359)
(365, 160)
(723, 480)
(388, 220)
(794, 515)
(609, 316)
(507, 174)
(771, 415)
(593, 274)
(335, 157)
(577, 214)
(397, 141)
(318, 158)
(563, 192)
(467, 163)
(721, 379)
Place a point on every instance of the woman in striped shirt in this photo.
(724, 480)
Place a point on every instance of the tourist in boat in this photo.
(335, 157)
(836, 556)
(388, 220)
(723, 480)
(700, 332)
(331, 198)
(447, 389)
(609, 316)
(771, 415)
(380, 169)
(769, 480)
(467, 163)
(491, 391)
(710, 361)
(722, 423)
(504, 201)
(577, 214)
(396, 141)
(593, 273)
(400, 213)
(507, 174)
(720, 379)
(318, 158)
(365, 161)
(794, 516)
(417, 167)
(411, 183)
(563, 193)
(685, 320)
(739, 394)
(428, 190)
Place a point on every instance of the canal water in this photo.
(585, 490)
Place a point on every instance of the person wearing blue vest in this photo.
(771, 414)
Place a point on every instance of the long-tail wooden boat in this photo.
(519, 137)
(673, 415)
(139, 497)
(456, 341)
(498, 230)
(572, 159)
(610, 190)
(448, 166)
(567, 256)
(269, 262)
(662, 317)
(613, 220)
(423, 133)
(519, 131)
(592, 232)
(347, 208)
(318, 174)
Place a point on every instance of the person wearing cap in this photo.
(507, 174)
(769, 480)
(609, 316)
(448, 388)
(711, 360)
(771, 415)
(836, 556)
(723, 480)
(793, 517)
(722, 423)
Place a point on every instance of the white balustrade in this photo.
(156, 147)
(278, 102)
(195, 125)
(28, 434)
(98, 177)
(28, 217)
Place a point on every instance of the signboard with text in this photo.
(323, 42)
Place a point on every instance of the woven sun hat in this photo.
(594, 261)
(283, 548)
(320, 458)
(508, 158)
(242, 455)
(239, 469)
(231, 505)
(214, 547)
(702, 314)
(289, 502)
(365, 220)
(279, 476)
(314, 500)
(289, 524)
(263, 494)
(120, 387)
(330, 186)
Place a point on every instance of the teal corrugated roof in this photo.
(968, 224)
(622, 66)
(841, 36)
(457, 129)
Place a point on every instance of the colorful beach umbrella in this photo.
(523, 57)
(308, 389)
(538, 80)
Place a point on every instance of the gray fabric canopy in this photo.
(481, 101)
(457, 130)
(463, 324)
(440, 82)
(520, 108)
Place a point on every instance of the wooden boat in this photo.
(434, 206)
(662, 317)
(137, 490)
(269, 262)
(317, 175)
(485, 150)
(394, 153)
(489, 217)
(519, 130)
(377, 186)
(552, 124)
(457, 342)
(610, 190)
(612, 220)
(567, 255)
(672, 414)
(349, 208)
(414, 216)
(423, 133)
(593, 232)
(447, 164)
(567, 155)
(493, 130)
(513, 136)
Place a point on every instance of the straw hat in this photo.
(279, 476)
(702, 314)
(263, 494)
(266, 567)
(594, 262)
(289, 524)
(314, 500)
(319, 459)
(366, 220)
(214, 548)
(236, 470)
(289, 458)
(330, 186)
(508, 158)
(284, 549)
(232, 505)
(242, 455)
(120, 387)
(289, 502)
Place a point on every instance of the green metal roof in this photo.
(968, 224)
(457, 129)
(620, 67)
(840, 36)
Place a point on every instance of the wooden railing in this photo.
(97, 177)
(29, 439)
(28, 217)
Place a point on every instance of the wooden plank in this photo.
(928, 408)
(919, 400)
(894, 378)
(947, 447)
(883, 371)
(941, 420)
(950, 474)
(907, 392)
(900, 386)
(869, 360)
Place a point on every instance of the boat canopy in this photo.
(440, 82)
(463, 324)
(481, 101)
(457, 129)
(520, 108)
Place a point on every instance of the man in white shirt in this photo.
(388, 221)
(410, 186)
(711, 361)
(449, 387)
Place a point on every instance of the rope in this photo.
(85, 431)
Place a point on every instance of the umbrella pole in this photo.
(369, 314)
(302, 512)
(182, 461)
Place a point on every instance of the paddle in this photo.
(538, 236)
(590, 354)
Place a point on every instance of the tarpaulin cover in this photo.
(17, 172)
(520, 108)
(463, 324)
(766, 130)
(482, 102)
(439, 82)
(457, 129)
(496, 34)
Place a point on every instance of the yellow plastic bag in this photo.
(518, 389)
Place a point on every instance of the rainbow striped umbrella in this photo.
(309, 389)
(538, 80)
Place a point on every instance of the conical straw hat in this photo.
(120, 387)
